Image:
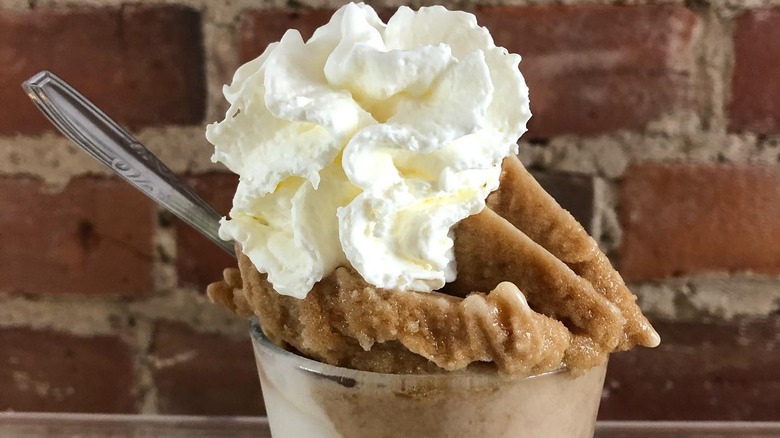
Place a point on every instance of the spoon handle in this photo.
(102, 138)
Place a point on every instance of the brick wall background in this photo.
(656, 122)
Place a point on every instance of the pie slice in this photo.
(526, 205)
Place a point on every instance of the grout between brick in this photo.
(164, 244)
(147, 390)
(17, 5)
(77, 315)
(715, 60)
(710, 296)
(606, 230)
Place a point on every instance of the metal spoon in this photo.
(92, 130)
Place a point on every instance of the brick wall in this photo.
(655, 122)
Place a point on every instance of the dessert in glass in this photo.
(407, 274)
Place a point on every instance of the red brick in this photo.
(204, 374)
(142, 64)
(199, 261)
(593, 69)
(93, 237)
(685, 218)
(755, 104)
(701, 371)
(259, 28)
(49, 371)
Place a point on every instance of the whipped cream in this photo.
(366, 144)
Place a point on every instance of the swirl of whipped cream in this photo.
(366, 144)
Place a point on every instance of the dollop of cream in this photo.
(366, 144)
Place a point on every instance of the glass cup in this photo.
(305, 398)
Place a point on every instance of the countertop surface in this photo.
(87, 425)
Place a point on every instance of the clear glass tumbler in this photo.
(305, 398)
